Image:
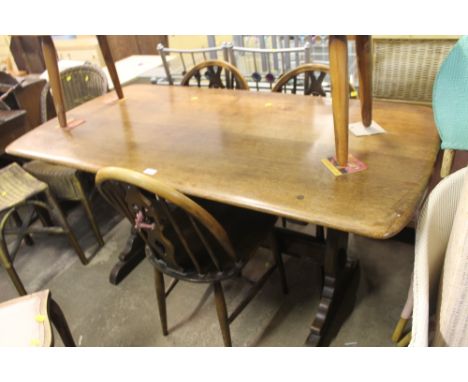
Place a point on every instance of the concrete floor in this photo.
(101, 314)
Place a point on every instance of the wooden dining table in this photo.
(258, 151)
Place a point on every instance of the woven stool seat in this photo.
(21, 190)
(16, 185)
(63, 181)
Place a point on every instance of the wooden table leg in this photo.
(364, 60)
(338, 270)
(133, 254)
(50, 58)
(339, 77)
(107, 54)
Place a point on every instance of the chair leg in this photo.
(221, 310)
(58, 319)
(43, 215)
(279, 262)
(91, 218)
(19, 223)
(161, 296)
(7, 264)
(55, 208)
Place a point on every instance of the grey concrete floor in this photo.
(101, 314)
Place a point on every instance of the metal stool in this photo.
(19, 188)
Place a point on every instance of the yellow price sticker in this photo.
(35, 342)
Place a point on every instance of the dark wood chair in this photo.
(26, 321)
(211, 73)
(190, 239)
(306, 79)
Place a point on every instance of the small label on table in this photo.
(111, 99)
(72, 123)
(359, 130)
(150, 171)
(354, 165)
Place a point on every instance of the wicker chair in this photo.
(433, 235)
(26, 321)
(17, 189)
(80, 84)
(191, 240)
(405, 69)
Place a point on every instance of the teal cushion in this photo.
(450, 98)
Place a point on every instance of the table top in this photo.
(260, 151)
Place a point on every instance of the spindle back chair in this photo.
(197, 241)
(212, 76)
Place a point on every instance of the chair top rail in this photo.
(276, 50)
(198, 50)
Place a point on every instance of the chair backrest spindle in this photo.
(182, 235)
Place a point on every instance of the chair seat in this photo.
(24, 321)
(17, 185)
(63, 181)
(245, 228)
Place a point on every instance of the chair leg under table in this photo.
(55, 209)
(161, 296)
(221, 310)
(89, 214)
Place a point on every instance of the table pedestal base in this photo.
(338, 271)
(133, 254)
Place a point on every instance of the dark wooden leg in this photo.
(279, 262)
(16, 280)
(55, 209)
(91, 219)
(50, 58)
(320, 233)
(339, 77)
(107, 54)
(161, 296)
(58, 319)
(364, 60)
(133, 254)
(44, 217)
(19, 223)
(338, 269)
(7, 264)
(221, 310)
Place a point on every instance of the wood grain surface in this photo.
(260, 151)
